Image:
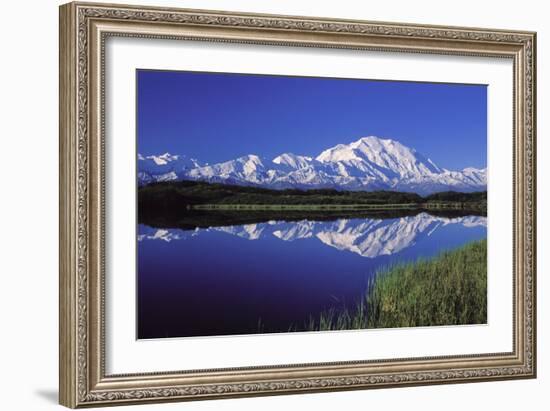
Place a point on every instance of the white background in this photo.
(28, 139)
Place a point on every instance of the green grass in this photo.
(450, 289)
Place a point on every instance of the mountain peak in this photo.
(368, 163)
(251, 158)
(161, 159)
(292, 160)
(380, 143)
(372, 151)
(369, 139)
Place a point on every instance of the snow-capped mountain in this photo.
(366, 237)
(165, 167)
(249, 169)
(291, 161)
(370, 163)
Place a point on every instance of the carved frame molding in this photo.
(84, 27)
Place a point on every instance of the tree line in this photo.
(188, 193)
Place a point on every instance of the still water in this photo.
(269, 276)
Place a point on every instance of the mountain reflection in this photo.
(363, 236)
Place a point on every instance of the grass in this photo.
(450, 289)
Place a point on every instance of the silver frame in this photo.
(84, 27)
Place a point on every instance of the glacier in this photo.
(369, 163)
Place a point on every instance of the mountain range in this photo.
(370, 163)
(366, 237)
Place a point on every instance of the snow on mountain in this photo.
(370, 163)
(292, 161)
(248, 169)
(382, 157)
(475, 175)
(164, 167)
(366, 237)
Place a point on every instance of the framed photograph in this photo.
(259, 204)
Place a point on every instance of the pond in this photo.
(274, 275)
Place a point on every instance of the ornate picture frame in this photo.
(84, 29)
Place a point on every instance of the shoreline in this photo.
(333, 207)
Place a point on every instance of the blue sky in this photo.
(217, 117)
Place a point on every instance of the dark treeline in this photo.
(457, 197)
(170, 204)
(183, 193)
